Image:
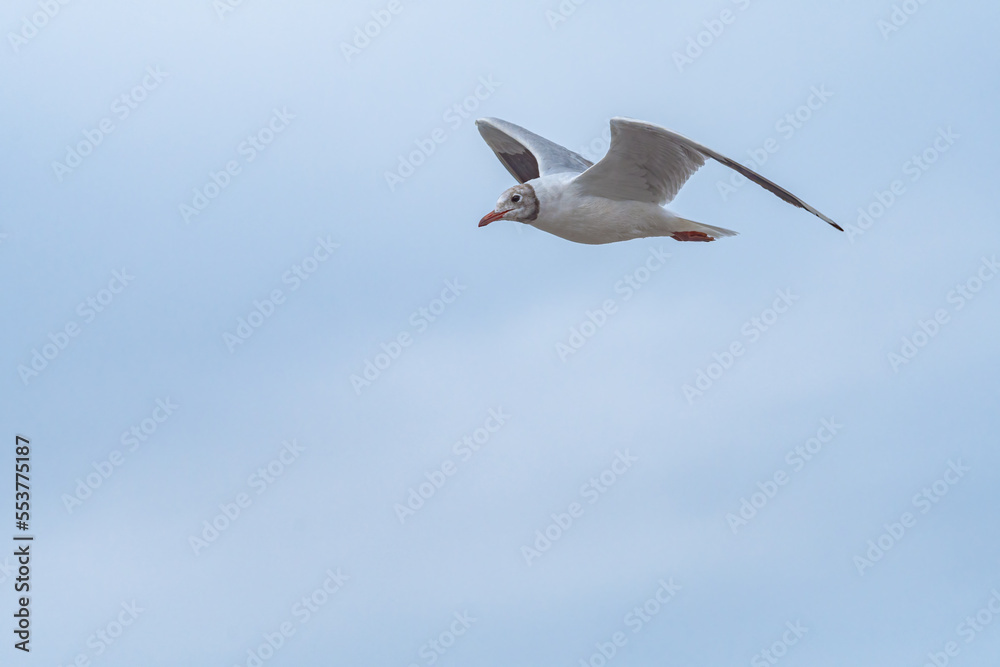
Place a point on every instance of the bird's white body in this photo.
(621, 197)
(583, 218)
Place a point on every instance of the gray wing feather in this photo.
(526, 155)
(650, 163)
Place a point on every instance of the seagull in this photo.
(621, 197)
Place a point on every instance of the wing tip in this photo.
(490, 123)
(830, 222)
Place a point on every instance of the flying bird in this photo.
(621, 197)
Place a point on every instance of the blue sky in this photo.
(197, 500)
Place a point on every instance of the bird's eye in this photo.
(516, 198)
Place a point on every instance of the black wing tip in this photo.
(827, 220)
(819, 215)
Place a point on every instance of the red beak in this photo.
(492, 217)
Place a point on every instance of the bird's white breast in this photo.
(565, 212)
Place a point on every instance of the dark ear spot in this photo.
(532, 212)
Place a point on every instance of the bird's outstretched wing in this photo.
(650, 163)
(525, 154)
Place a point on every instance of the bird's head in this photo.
(519, 203)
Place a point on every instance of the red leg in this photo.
(692, 236)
